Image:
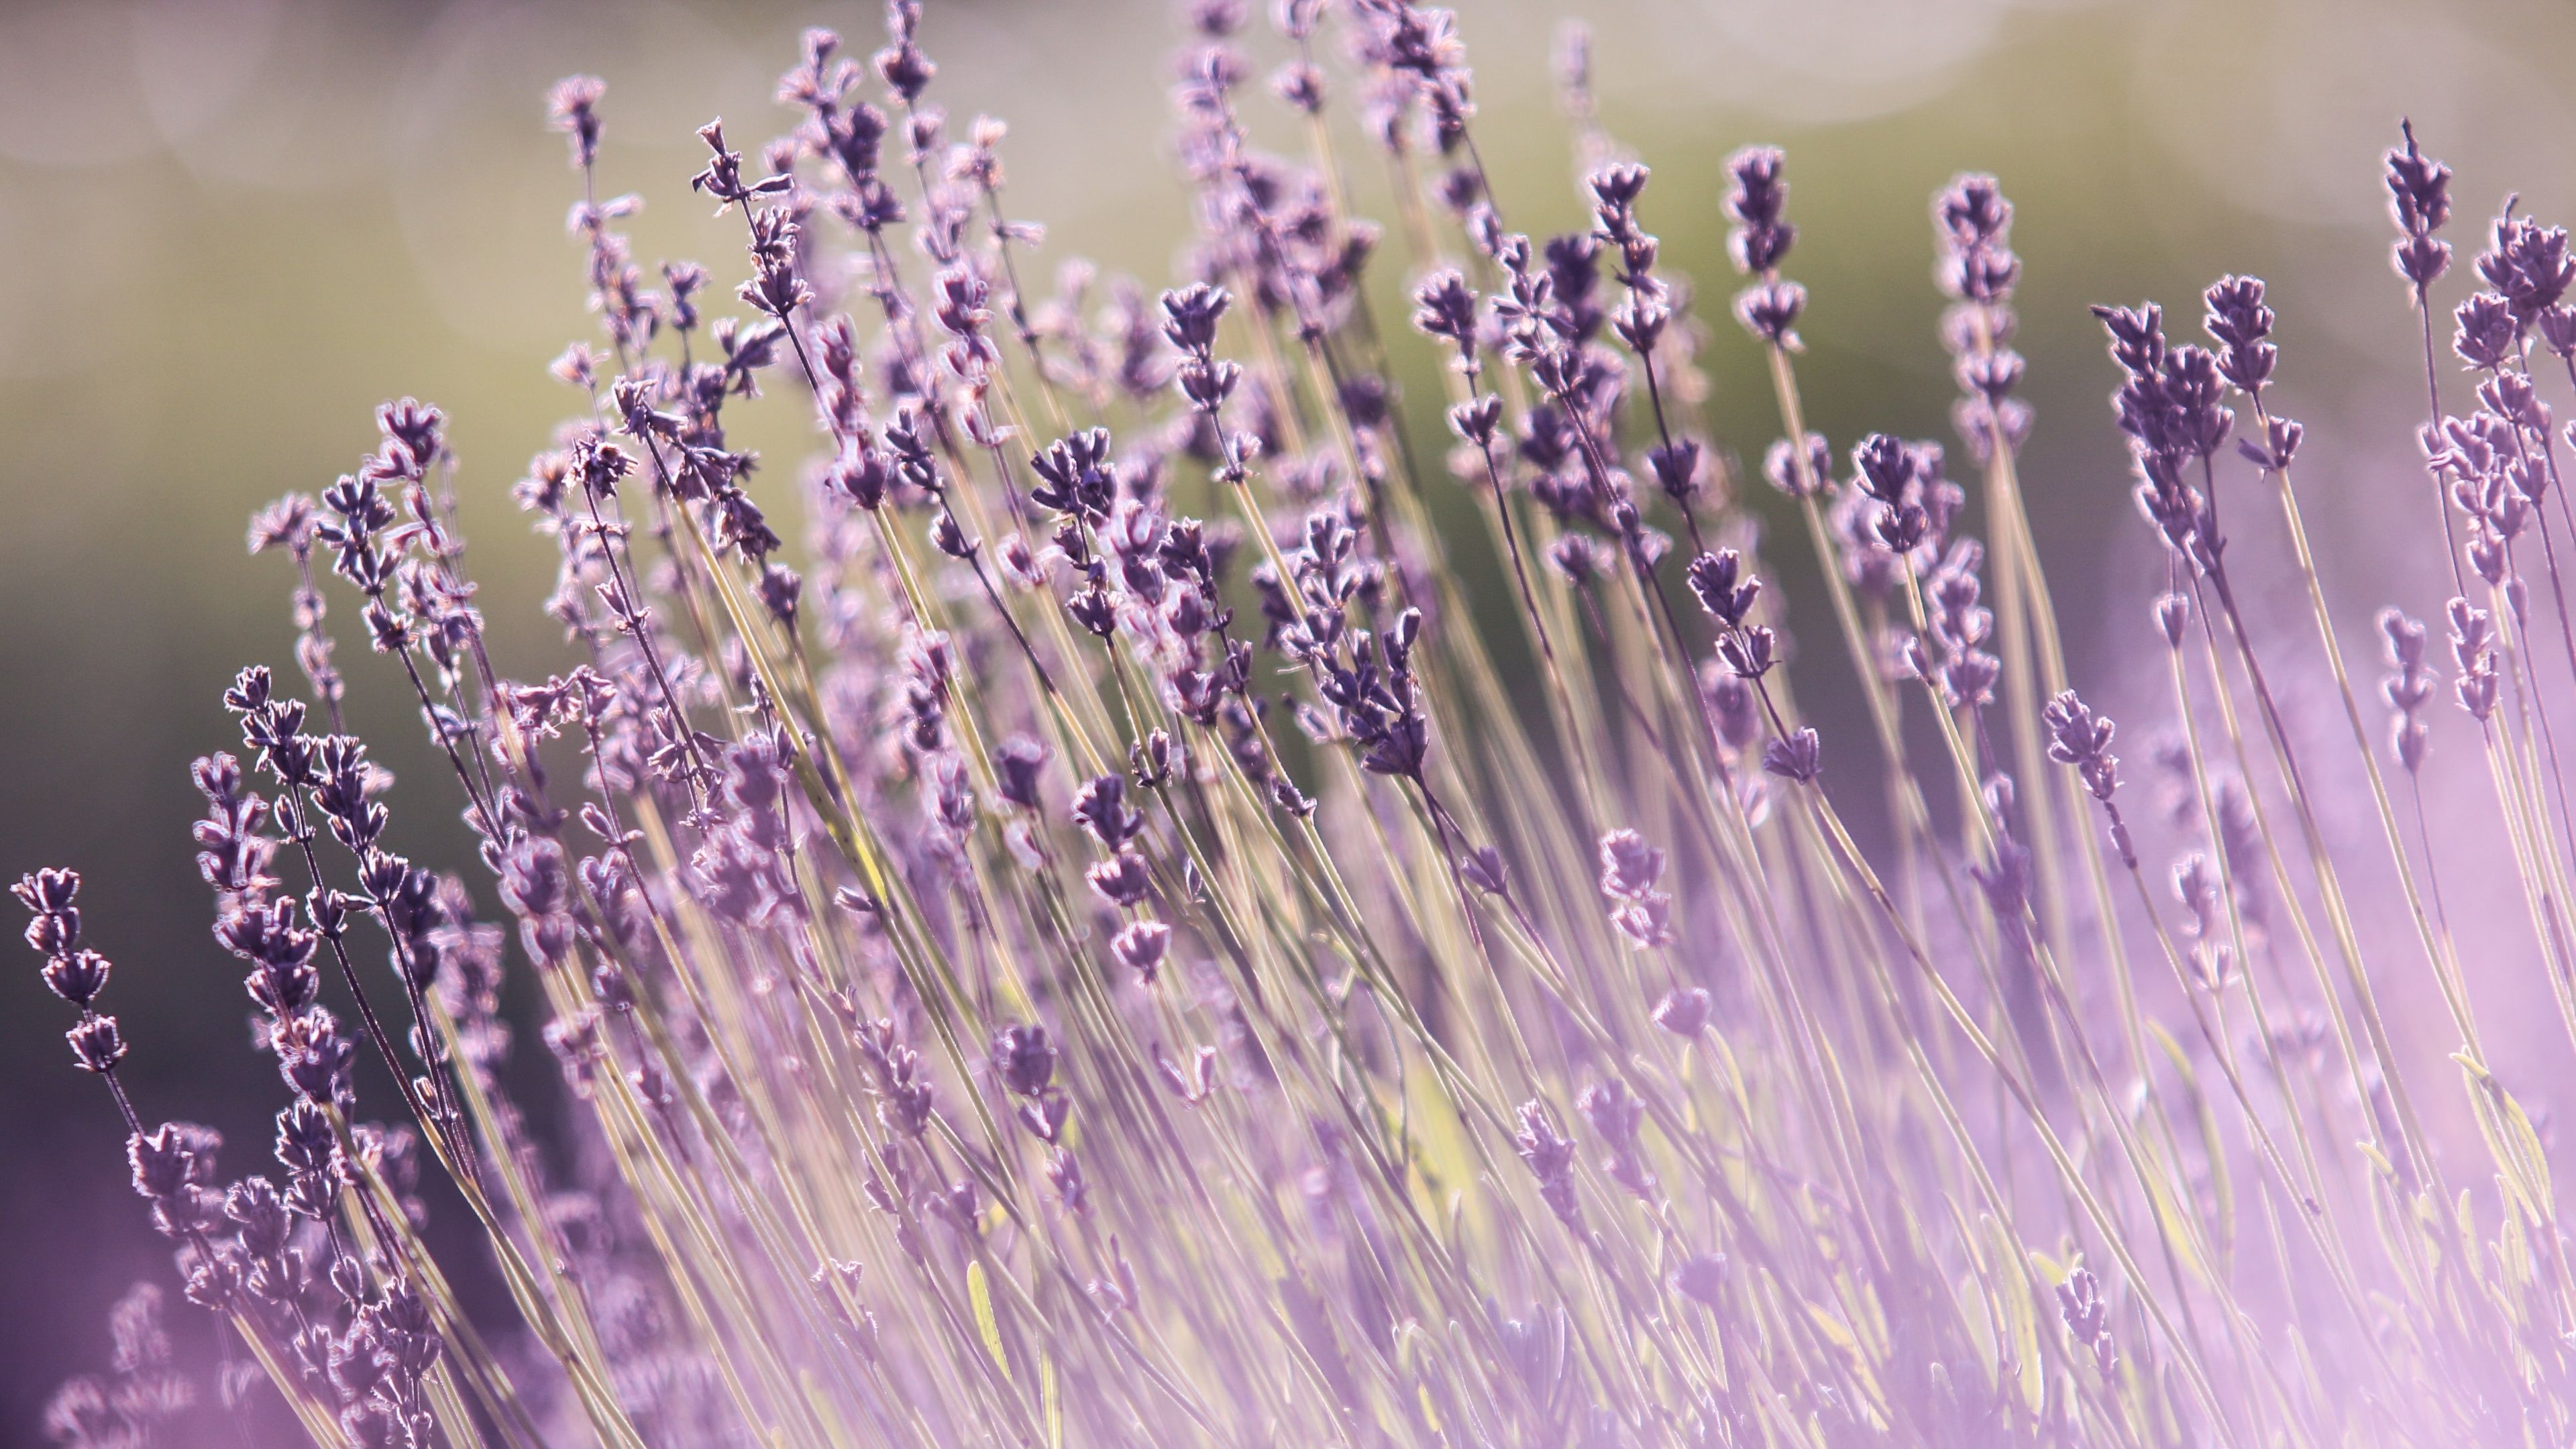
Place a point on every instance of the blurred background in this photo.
(230, 228)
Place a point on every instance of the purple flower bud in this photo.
(1444, 306)
(2419, 188)
(2081, 738)
(48, 894)
(1629, 866)
(1770, 311)
(2137, 337)
(1799, 757)
(1780, 466)
(1191, 315)
(96, 1044)
(2240, 322)
(1748, 651)
(2173, 611)
(162, 1159)
(1701, 1278)
(1141, 947)
(1024, 1059)
(1613, 1111)
(1017, 765)
(949, 536)
(1683, 1011)
(1755, 198)
(77, 977)
(2529, 264)
(2484, 331)
(1550, 1158)
(573, 108)
(1676, 466)
(2557, 327)
(1100, 808)
(1122, 880)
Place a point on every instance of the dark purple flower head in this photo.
(1572, 260)
(1300, 85)
(1683, 1011)
(1749, 651)
(2510, 396)
(573, 108)
(1971, 211)
(1781, 466)
(1581, 559)
(1629, 866)
(77, 977)
(1770, 311)
(255, 1205)
(901, 65)
(1990, 375)
(1714, 579)
(1140, 947)
(533, 880)
(1076, 476)
(1984, 274)
(1190, 317)
(2240, 322)
(1759, 241)
(1799, 757)
(1971, 221)
(1677, 469)
(1478, 421)
(96, 1044)
(314, 1058)
(1024, 1059)
(722, 178)
(2557, 328)
(1017, 765)
(1618, 185)
(2422, 259)
(1483, 868)
(1100, 808)
(165, 1159)
(2484, 331)
(48, 895)
(2280, 443)
(2419, 188)
(1756, 197)
(1886, 467)
(1217, 19)
(2137, 337)
(2529, 265)
(1445, 307)
(2081, 738)
(2192, 421)
(1122, 880)
(2087, 1315)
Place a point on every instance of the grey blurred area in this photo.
(230, 228)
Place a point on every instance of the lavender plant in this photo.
(1123, 940)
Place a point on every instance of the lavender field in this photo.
(1320, 722)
